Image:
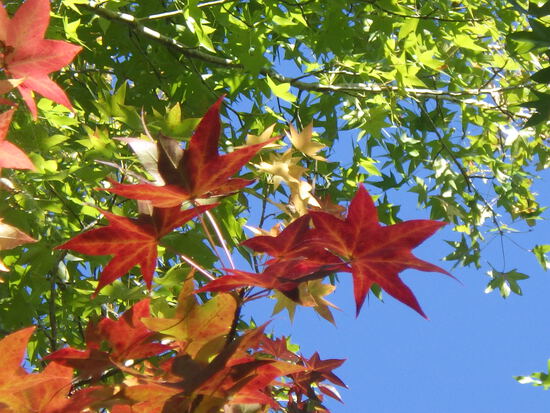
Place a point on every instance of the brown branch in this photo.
(422, 17)
(307, 86)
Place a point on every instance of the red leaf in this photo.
(10, 155)
(377, 254)
(127, 338)
(288, 244)
(285, 276)
(131, 241)
(197, 172)
(32, 57)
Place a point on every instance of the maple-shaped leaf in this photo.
(11, 237)
(311, 294)
(196, 172)
(266, 135)
(27, 55)
(315, 373)
(49, 393)
(127, 338)
(131, 241)
(285, 168)
(10, 155)
(44, 392)
(289, 243)
(285, 276)
(304, 143)
(293, 243)
(194, 324)
(377, 254)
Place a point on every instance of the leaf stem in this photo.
(196, 266)
(210, 239)
(220, 237)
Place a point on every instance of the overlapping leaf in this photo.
(29, 56)
(195, 325)
(10, 155)
(131, 241)
(376, 253)
(197, 172)
(126, 339)
(11, 237)
(44, 392)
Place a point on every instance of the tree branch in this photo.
(307, 86)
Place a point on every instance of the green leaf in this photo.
(282, 90)
(540, 252)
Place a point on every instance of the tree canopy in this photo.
(139, 139)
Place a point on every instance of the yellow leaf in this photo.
(264, 136)
(304, 143)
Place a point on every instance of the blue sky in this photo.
(461, 360)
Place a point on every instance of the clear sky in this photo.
(464, 358)
(461, 360)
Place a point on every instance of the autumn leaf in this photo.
(285, 245)
(265, 136)
(304, 143)
(131, 241)
(377, 254)
(282, 168)
(295, 261)
(112, 342)
(8, 84)
(315, 373)
(197, 172)
(10, 155)
(311, 294)
(286, 168)
(292, 243)
(194, 324)
(44, 392)
(27, 55)
(11, 237)
(285, 276)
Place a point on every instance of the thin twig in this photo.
(422, 17)
(220, 237)
(308, 86)
(447, 149)
(211, 240)
(197, 266)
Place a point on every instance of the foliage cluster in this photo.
(446, 100)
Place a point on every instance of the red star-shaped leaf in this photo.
(289, 243)
(10, 155)
(293, 242)
(376, 253)
(284, 276)
(26, 54)
(127, 339)
(197, 172)
(131, 241)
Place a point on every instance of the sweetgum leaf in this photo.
(197, 172)
(376, 253)
(10, 155)
(30, 56)
(127, 338)
(131, 241)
